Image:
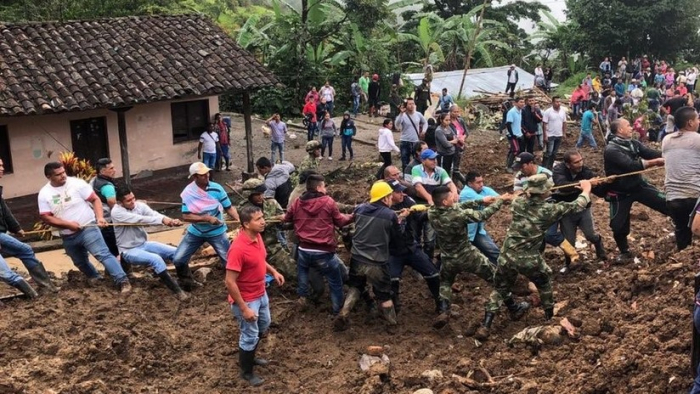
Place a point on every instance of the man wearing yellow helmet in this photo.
(376, 226)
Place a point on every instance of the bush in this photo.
(568, 86)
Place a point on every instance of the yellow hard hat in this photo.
(379, 190)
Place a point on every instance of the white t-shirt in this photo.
(555, 121)
(68, 202)
(209, 141)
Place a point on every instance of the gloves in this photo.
(419, 208)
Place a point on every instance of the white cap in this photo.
(198, 168)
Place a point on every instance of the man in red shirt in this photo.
(245, 281)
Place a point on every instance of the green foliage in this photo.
(568, 86)
(659, 28)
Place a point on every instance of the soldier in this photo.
(532, 216)
(526, 167)
(272, 212)
(310, 162)
(450, 219)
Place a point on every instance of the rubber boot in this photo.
(259, 361)
(185, 278)
(516, 311)
(170, 283)
(548, 313)
(600, 249)
(26, 289)
(395, 287)
(444, 316)
(128, 268)
(389, 314)
(41, 277)
(370, 305)
(483, 332)
(434, 287)
(341, 322)
(570, 252)
(247, 361)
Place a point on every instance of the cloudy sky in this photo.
(557, 7)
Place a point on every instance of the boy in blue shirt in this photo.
(589, 118)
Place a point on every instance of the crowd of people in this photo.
(419, 215)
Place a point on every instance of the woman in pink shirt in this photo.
(223, 132)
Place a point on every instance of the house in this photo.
(478, 81)
(139, 90)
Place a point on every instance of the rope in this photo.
(611, 177)
(179, 204)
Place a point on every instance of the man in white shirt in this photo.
(208, 146)
(64, 202)
(554, 128)
(133, 242)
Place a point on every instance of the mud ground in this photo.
(634, 334)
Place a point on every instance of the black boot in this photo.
(41, 277)
(128, 268)
(548, 314)
(247, 361)
(516, 311)
(485, 330)
(26, 289)
(184, 276)
(170, 283)
(434, 287)
(395, 286)
(444, 316)
(600, 249)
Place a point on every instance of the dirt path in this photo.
(634, 326)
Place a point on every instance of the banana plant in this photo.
(427, 36)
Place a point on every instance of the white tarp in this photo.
(491, 80)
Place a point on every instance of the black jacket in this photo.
(7, 219)
(376, 231)
(624, 156)
(410, 227)
(531, 119)
(562, 176)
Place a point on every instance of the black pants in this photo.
(530, 143)
(516, 147)
(621, 204)
(446, 163)
(386, 157)
(110, 240)
(680, 211)
(511, 86)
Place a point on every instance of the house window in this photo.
(5, 151)
(190, 119)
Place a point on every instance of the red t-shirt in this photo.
(247, 257)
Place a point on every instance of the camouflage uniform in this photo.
(532, 216)
(309, 163)
(277, 256)
(458, 254)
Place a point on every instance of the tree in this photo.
(427, 37)
(659, 28)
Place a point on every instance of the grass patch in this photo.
(567, 87)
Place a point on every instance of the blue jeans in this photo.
(190, 243)
(90, 240)
(586, 137)
(418, 260)
(553, 144)
(279, 146)
(330, 266)
(250, 331)
(152, 254)
(11, 247)
(327, 142)
(209, 160)
(486, 246)
(406, 148)
(355, 105)
(329, 106)
(310, 131)
(225, 155)
(553, 236)
(346, 142)
(7, 275)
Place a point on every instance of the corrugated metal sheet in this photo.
(488, 79)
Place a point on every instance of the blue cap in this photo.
(428, 154)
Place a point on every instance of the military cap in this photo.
(538, 184)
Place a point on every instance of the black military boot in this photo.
(26, 289)
(247, 361)
(184, 276)
(484, 331)
(600, 249)
(516, 311)
(41, 277)
(548, 313)
(170, 283)
(126, 267)
(395, 287)
(434, 287)
(444, 314)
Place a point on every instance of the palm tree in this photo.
(459, 33)
(552, 35)
(427, 37)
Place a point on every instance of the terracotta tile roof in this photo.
(57, 67)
